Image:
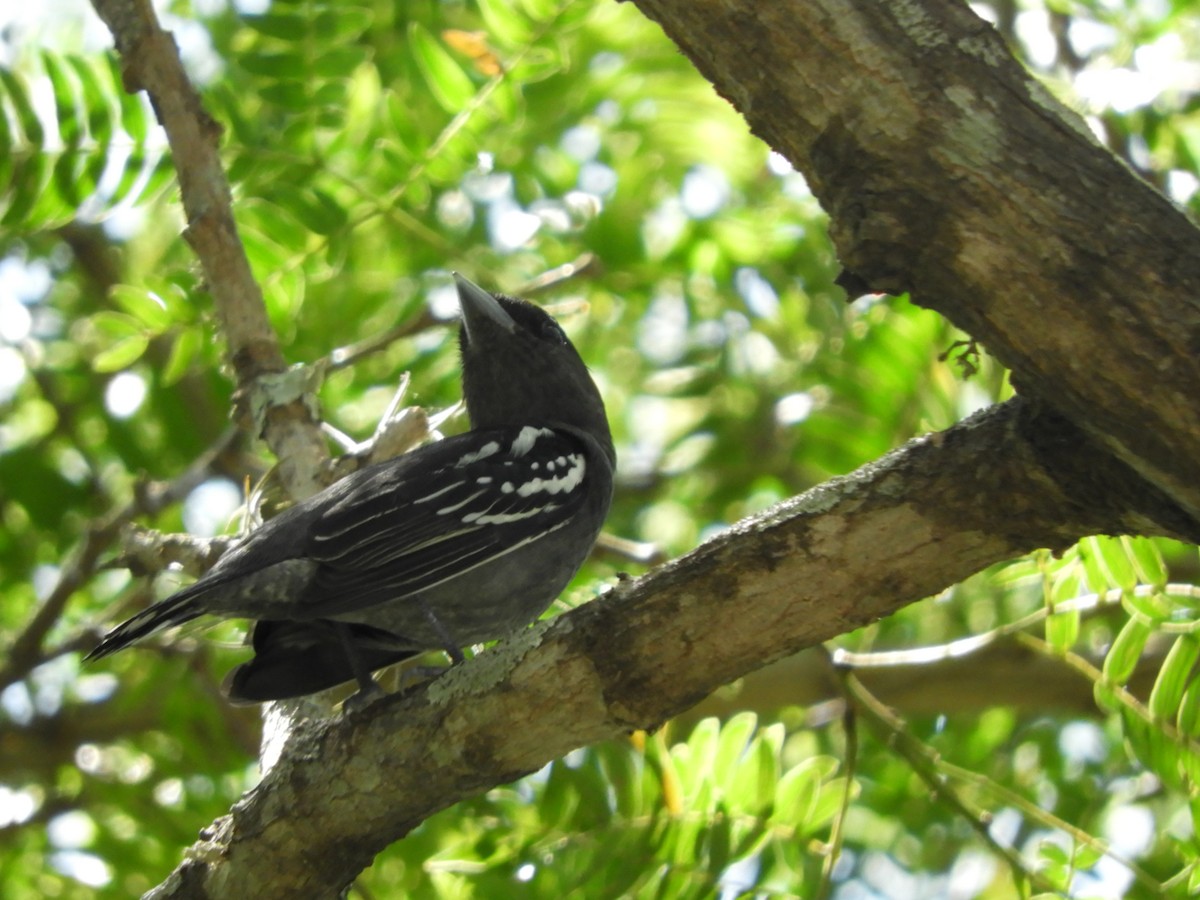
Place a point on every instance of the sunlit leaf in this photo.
(445, 78)
(1122, 657)
(122, 354)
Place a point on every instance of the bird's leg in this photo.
(448, 644)
(368, 688)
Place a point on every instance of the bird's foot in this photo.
(416, 676)
(368, 693)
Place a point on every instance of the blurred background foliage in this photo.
(567, 151)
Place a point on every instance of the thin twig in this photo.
(26, 650)
(893, 731)
(965, 646)
(837, 831)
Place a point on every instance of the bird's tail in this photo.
(174, 610)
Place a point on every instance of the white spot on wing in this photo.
(439, 493)
(559, 484)
(526, 438)
(460, 504)
(491, 448)
(506, 518)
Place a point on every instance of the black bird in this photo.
(457, 542)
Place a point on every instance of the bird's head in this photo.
(519, 368)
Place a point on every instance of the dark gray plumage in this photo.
(455, 543)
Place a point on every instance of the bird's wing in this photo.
(470, 500)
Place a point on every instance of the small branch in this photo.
(26, 651)
(837, 832)
(151, 62)
(917, 656)
(933, 770)
(584, 264)
(146, 551)
(1047, 819)
(619, 549)
(893, 732)
(352, 353)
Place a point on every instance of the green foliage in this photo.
(90, 148)
(723, 809)
(374, 146)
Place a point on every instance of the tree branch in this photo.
(27, 650)
(950, 172)
(151, 63)
(1042, 225)
(843, 555)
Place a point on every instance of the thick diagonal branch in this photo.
(949, 171)
(834, 559)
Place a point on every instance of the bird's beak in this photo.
(478, 305)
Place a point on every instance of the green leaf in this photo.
(1126, 650)
(505, 24)
(334, 93)
(27, 183)
(144, 305)
(1154, 606)
(829, 803)
(345, 22)
(732, 747)
(14, 90)
(275, 65)
(317, 210)
(66, 107)
(543, 10)
(1193, 882)
(797, 791)
(1053, 853)
(7, 138)
(621, 769)
(1062, 630)
(114, 326)
(1115, 562)
(328, 24)
(184, 350)
(753, 787)
(719, 845)
(122, 354)
(340, 62)
(449, 84)
(70, 181)
(1086, 856)
(294, 95)
(281, 24)
(1153, 748)
(1187, 719)
(702, 747)
(538, 64)
(1147, 560)
(1174, 677)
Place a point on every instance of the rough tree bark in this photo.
(273, 405)
(947, 172)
